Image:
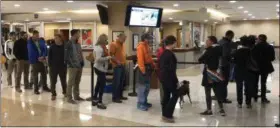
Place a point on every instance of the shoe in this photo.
(101, 106)
(47, 89)
(265, 101)
(37, 92)
(88, 99)
(206, 113)
(72, 101)
(222, 112)
(213, 97)
(79, 99)
(142, 107)
(249, 106)
(227, 101)
(123, 98)
(117, 101)
(149, 105)
(19, 90)
(167, 120)
(53, 98)
(239, 105)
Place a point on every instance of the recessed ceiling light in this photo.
(175, 5)
(70, 1)
(49, 12)
(205, 20)
(170, 18)
(267, 18)
(27, 20)
(46, 9)
(240, 7)
(85, 11)
(17, 5)
(250, 14)
(215, 22)
(277, 5)
(253, 17)
(232, 1)
(245, 11)
(277, 16)
(277, 10)
(244, 19)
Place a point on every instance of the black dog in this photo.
(183, 90)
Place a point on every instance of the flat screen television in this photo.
(139, 16)
(103, 14)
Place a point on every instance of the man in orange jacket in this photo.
(145, 67)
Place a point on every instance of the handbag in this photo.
(3, 60)
(214, 76)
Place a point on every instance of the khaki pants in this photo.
(11, 68)
(73, 86)
(36, 69)
(22, 66)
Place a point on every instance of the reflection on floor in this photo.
(27, 109)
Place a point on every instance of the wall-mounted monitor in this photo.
(103, 14)
(139, 16)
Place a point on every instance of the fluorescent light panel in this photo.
(84, 11)
(217, 13)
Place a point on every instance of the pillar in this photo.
(42, 29)
(70, 28)
(11, 27)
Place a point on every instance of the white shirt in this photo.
(100, 62)
(9, 46)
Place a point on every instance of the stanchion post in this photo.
(133, 93)
(92, 82)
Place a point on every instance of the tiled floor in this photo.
(27, 109)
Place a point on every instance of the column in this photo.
(70, 28)
(11, 27)
(42, 29)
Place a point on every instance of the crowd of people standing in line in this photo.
(252, 58)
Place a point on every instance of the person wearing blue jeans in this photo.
(144, 71)
(118, 80)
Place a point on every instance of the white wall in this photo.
(240, 28)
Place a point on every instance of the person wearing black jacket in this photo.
(226, 45)
(210, 59)
(264, 54)
(169, 80)
(21, 54)
(244, 75)
(57, 65)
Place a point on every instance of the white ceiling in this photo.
(259, 9)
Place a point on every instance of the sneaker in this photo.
(94, 102)
(222, 112)
(123, 98)
(206, 113)
(227, 101)
(47, 89)
(37, 92)
(149, 105)
(265, 101)
(79, 99)
(53, 98)
(142, 107)
(101, 106)
(167, 120)
(19, 90)
(239, 105)
(117, 101)
(249, 106)
(72, 101)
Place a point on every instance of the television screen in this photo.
(143, 16)
(103, 14)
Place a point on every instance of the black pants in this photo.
(263, 84)
(54, 73)
(225, 72)
(218, 89)
(244, 79)
(170, 97)
(36, 69)
(101, 82)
